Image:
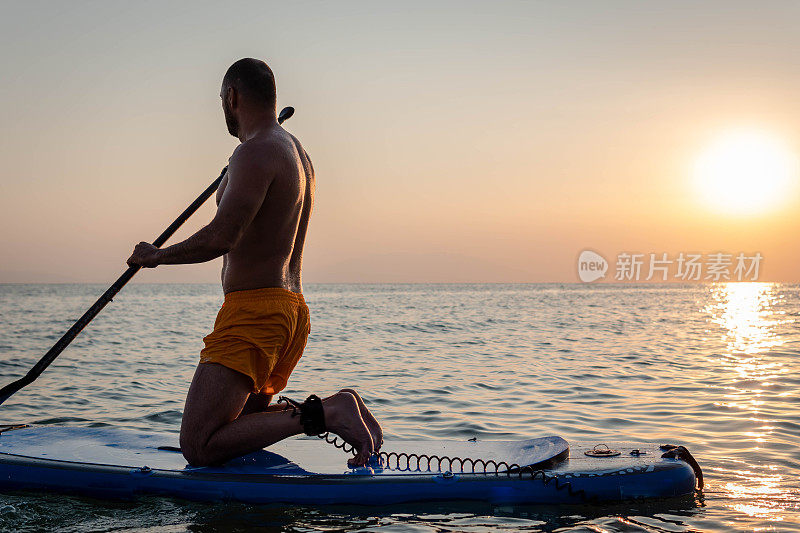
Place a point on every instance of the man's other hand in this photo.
(144, 255)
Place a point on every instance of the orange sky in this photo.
(455, 142)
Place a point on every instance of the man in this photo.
(263, 207)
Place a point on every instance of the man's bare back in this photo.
(270, 252)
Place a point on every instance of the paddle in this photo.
(63, 342)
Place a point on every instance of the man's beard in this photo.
(230, 121)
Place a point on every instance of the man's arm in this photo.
(249, 179)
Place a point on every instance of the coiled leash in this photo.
(312, 418)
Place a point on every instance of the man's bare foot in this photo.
(372, 423)
(343, 417)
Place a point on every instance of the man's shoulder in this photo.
(255, 149)
(256, 154)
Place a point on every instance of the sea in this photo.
(714, 367)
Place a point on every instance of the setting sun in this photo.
(745, 172)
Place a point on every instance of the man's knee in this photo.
(192, 448)
(194, 439)
(216, 397)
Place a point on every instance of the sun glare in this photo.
(745, 172)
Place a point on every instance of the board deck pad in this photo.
(114, 463)
(301, 456)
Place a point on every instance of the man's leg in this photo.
(256, 403)
(211, 433)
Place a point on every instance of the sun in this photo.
(745, 172)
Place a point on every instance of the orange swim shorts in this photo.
(260, 333)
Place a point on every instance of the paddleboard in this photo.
(114, 463)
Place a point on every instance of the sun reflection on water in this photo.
(745, 311)
(748, 318)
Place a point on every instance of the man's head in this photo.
(248, 87)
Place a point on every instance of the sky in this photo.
(452, 141)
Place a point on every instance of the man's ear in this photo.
(232, 97)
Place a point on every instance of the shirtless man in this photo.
(263, 206)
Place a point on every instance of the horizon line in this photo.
(609, 283)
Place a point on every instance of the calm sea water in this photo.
(714, 367)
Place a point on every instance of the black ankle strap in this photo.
(312, 416)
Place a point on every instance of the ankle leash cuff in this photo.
(312, 416)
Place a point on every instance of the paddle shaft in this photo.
(94, 310)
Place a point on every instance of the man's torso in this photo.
(270, 253)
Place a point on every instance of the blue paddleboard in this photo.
(114, 463)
